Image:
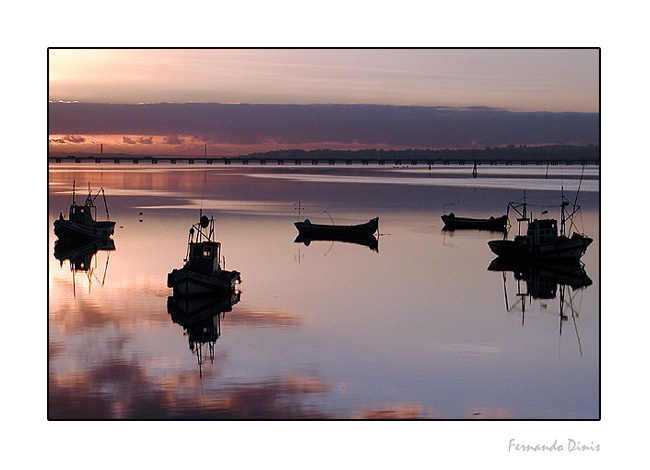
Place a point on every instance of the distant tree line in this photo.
(590, 153)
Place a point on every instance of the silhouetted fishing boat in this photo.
(202, 273)
(543, 240)
(493, 224)
(324, 232)
(81, 222)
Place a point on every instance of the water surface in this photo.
(419, 329)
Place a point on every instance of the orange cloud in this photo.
(391, 411)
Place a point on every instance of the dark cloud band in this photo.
(418, 127)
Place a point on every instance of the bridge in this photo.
(502, 156)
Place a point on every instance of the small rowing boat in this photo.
(324, 232)
(493, 224)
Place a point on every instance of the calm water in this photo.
(419, 329)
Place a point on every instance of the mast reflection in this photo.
(543, 281)
(81, 254)
(200, 318)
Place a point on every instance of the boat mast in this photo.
(105, 205)
(90, 202)
(523, 215)
(576, 207)
(205, 177)
(190, 240)
(563, 217)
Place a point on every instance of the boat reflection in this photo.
(81, 254)
(370, 241)
(200, 318)
(540, 282)
(542, 279)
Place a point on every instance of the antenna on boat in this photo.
(446, 204)
(563, 204)
(328, 214)
(101, 190)
(73, 193)
(576, 208)
(205, 176)
(522, 215)
(190, 238)
(105, 204)
(579, 185)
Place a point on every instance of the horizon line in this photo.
(438, 107)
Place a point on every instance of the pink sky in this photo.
(408, 80)
(517, 79)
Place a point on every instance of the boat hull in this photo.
(188, 283)
(321, 232)
(562, 249)
(494, 224)
(68, 229)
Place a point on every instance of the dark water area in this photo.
(419, 329)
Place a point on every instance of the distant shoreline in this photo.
(511, 154)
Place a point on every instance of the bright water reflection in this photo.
(420, 328)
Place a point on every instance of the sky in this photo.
(240, 101)
(516, 79)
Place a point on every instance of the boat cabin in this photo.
(204, 257)
(542, 231)
(81, 214)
